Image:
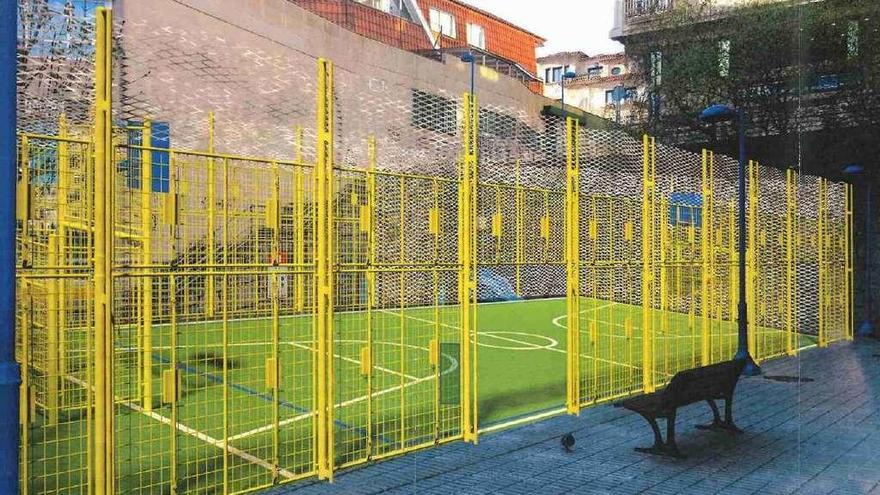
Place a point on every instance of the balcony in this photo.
(640, 8)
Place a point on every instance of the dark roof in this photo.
(564, 55)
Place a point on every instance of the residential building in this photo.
(806, 73)
(439, 29)
(605, 85)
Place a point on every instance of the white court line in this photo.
(220, 444)
(355, 361)
(355, 400)
(560, 318)
(528, 343)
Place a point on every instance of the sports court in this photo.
(218, 305)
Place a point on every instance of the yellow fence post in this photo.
(823, 338)
(467, 259)
(210, 290)
(848, 248)
(104, 174)
(147, 260)
(52, 337)
(467, 284)
(370, 228)
(752, 279)
(299, 252)
(324, 266)
(790, 212)
(519, 238)
(648, 176)
(572, 259)
(65, 184)
(224, 300)
(707, 252)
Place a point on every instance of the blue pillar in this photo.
(9, 370)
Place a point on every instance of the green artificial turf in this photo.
(521, 366)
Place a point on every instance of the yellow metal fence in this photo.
(192, 321)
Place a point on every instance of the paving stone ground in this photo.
(812, 438)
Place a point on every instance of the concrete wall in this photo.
(253, 63)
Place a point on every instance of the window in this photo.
(617, 71)
(852, 40)
(476, 36)
(442, 23)
(383, 5)
(724, 58)
(628, 94)
(594, 71)
(557, 74)
(656, 68)
(498, 124)
(434, 112)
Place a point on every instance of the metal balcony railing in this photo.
(639, 8)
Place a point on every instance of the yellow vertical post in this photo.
(520, 223)
(572, 260)
(147, 260)
(706, 252)
(210, 290)
(371, 281)
(823, 338)
(273, 364)
(401, 228)
(171, 383)
(790, 190)
(64, 187)
(225, 302)
(647, 262)
(733, 295)
(752, 262)
(104, 172)
(52, 335)
(24, 408)
(299, 251)
(324, 268)
(467, 262)
(848, 248)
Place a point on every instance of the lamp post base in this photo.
(751, 368)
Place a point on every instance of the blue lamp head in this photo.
(853, 169)
(718, 113)
(468, 58)
(570, 75)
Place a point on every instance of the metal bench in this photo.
(708, 383)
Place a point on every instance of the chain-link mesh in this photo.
(236, 312)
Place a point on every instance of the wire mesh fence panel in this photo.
(808, 261)
(219, 293)
(53, 311)
(520, 254)
(610, 213)
(834, 275)
(771, 263)
(397, 331)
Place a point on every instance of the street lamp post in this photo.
(567, 75)
(712, 115)
(866, 328)
(469, 58)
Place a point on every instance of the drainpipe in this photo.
(9, 369)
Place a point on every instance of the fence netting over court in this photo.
(218, 293)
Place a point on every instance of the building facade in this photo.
(806, 73)
(605, 85)
(439, 29)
